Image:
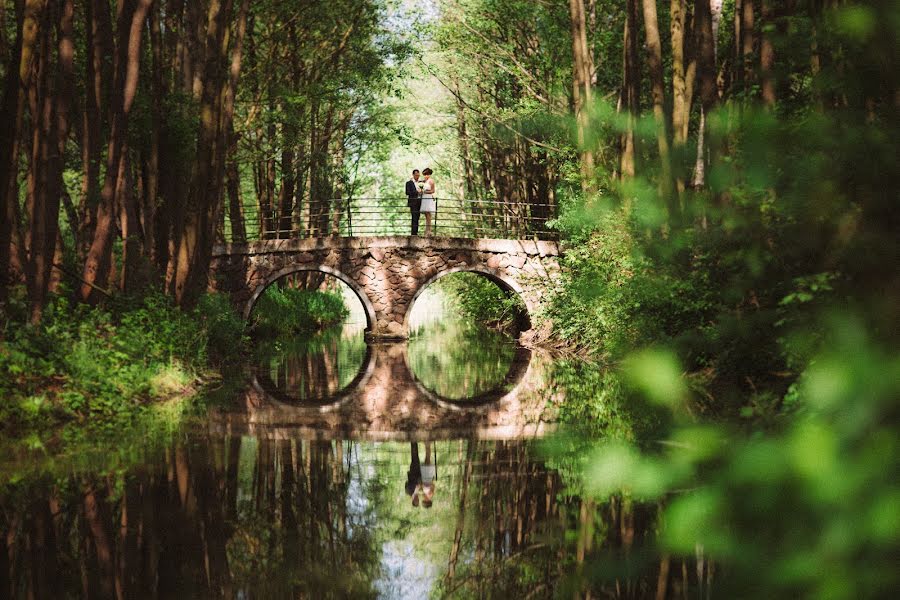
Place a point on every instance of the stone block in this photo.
(395, 328)
(517, 261)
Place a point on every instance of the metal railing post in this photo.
(349, 217)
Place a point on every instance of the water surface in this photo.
(342, 469)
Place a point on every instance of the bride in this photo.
(429, 203)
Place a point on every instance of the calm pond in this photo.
(343, 469)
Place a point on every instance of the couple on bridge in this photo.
(420, 199)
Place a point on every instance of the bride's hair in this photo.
(427, 172)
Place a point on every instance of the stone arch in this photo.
(357, 289)
(502, 280)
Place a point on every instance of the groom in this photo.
(414, 200)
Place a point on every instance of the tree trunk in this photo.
(192, 258)
(98, 46)
(462, 135)
(631, 97)
(706, 15)
(156, 230)
(286, 194)
(657, 86)
(581, 86)
(129, 26)
(748, 43)
(233, 184)
(682, 89)
(680, 111)
(11, 113)
(207, 185)
(767, 56)
(50, 119)
(236, 208)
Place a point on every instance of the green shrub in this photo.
(224, 328)
(100, 366)
(479, 301)
(289, 311)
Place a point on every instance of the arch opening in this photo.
(308, 325)
(509, 287)
(358, 292)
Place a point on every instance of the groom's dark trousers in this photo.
(414, 201)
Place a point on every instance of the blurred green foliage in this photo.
(764, 323)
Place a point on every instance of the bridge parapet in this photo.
(386, 273)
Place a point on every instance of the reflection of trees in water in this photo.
(518, 534)
(315, 368)
(268, 518)
(257, 518)
(457, 363)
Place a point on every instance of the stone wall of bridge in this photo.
(386, 273)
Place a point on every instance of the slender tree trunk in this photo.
(156, 230)
(207, 186)
(236, 208)
(737, 82)
(132, 275)
(681, 108)
(11, 113)
(748, 43)
(631, 90)
(767, 56)
(129, 26)
(462, 136)
(233, 184)
(706, 15)
(286, 194)
(98, 45)
(657, 86)
(581, 84)
(196, 241)
(50, 98)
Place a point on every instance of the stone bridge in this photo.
(387, 274)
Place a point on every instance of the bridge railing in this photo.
(347, 217)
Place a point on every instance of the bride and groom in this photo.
(421, 200)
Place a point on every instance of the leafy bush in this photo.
(480, 301)
(100, 366)
(289, 310)
(775, 510)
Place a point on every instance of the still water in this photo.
(344, 470)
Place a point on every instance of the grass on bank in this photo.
(287, 311)
(97, 369)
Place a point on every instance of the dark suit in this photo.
(414, 202)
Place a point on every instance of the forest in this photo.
(722, 178)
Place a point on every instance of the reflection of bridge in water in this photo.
(385, 401)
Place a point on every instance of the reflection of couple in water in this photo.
(420, 477)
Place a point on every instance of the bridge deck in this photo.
(540, 248)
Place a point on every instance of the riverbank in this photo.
(88, 381)
(95, 373)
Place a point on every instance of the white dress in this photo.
(428, 202)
